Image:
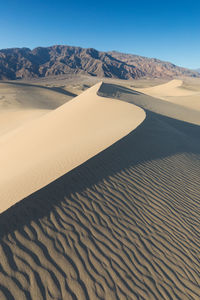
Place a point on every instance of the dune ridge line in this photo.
(59, 141)
(122, 225)
(175, 91)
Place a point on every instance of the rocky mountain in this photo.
(198, 70)
(16, 63)
(153, 67)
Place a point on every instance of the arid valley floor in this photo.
(100, 189)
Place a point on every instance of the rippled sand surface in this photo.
(123, 225)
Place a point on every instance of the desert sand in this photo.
(175, 91)
(47, 148)
(23, 102)
(121, 218)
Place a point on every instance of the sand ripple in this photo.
(124, 225)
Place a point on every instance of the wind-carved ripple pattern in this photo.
(132, 232)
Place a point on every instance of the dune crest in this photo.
(122, 225)
(175, 91)
(171, 88)
(46, 148)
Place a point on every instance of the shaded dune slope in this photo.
(27, 86)
(123, 225)
(152, 104)
(177, 92)
(25, 95)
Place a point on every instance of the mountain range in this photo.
(24, 63)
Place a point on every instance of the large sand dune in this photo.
(122, 225)
(38, 153)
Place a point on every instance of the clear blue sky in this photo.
(169, 30)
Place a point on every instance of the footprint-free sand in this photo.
(100, 199)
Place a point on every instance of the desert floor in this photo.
(100, 189)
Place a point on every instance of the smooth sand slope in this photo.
(176, 91)
(54, 144)
(123, 225)
(21, 103)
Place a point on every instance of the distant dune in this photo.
(122, 222)
(177, 92)
(23, 102)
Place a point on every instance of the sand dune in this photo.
(122, 225)
(21, 103)
(171, 88)
(148, 103)
(175, 91)
(47, 148)
(13, 119)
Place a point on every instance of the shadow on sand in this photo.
(55, 89)
(157, 137)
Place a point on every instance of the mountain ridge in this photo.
(24, 63)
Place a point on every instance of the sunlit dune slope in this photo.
(21, 103)
(54, 144)
(153, 104)
(175, 91)
(122, 225)
(171, 88)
